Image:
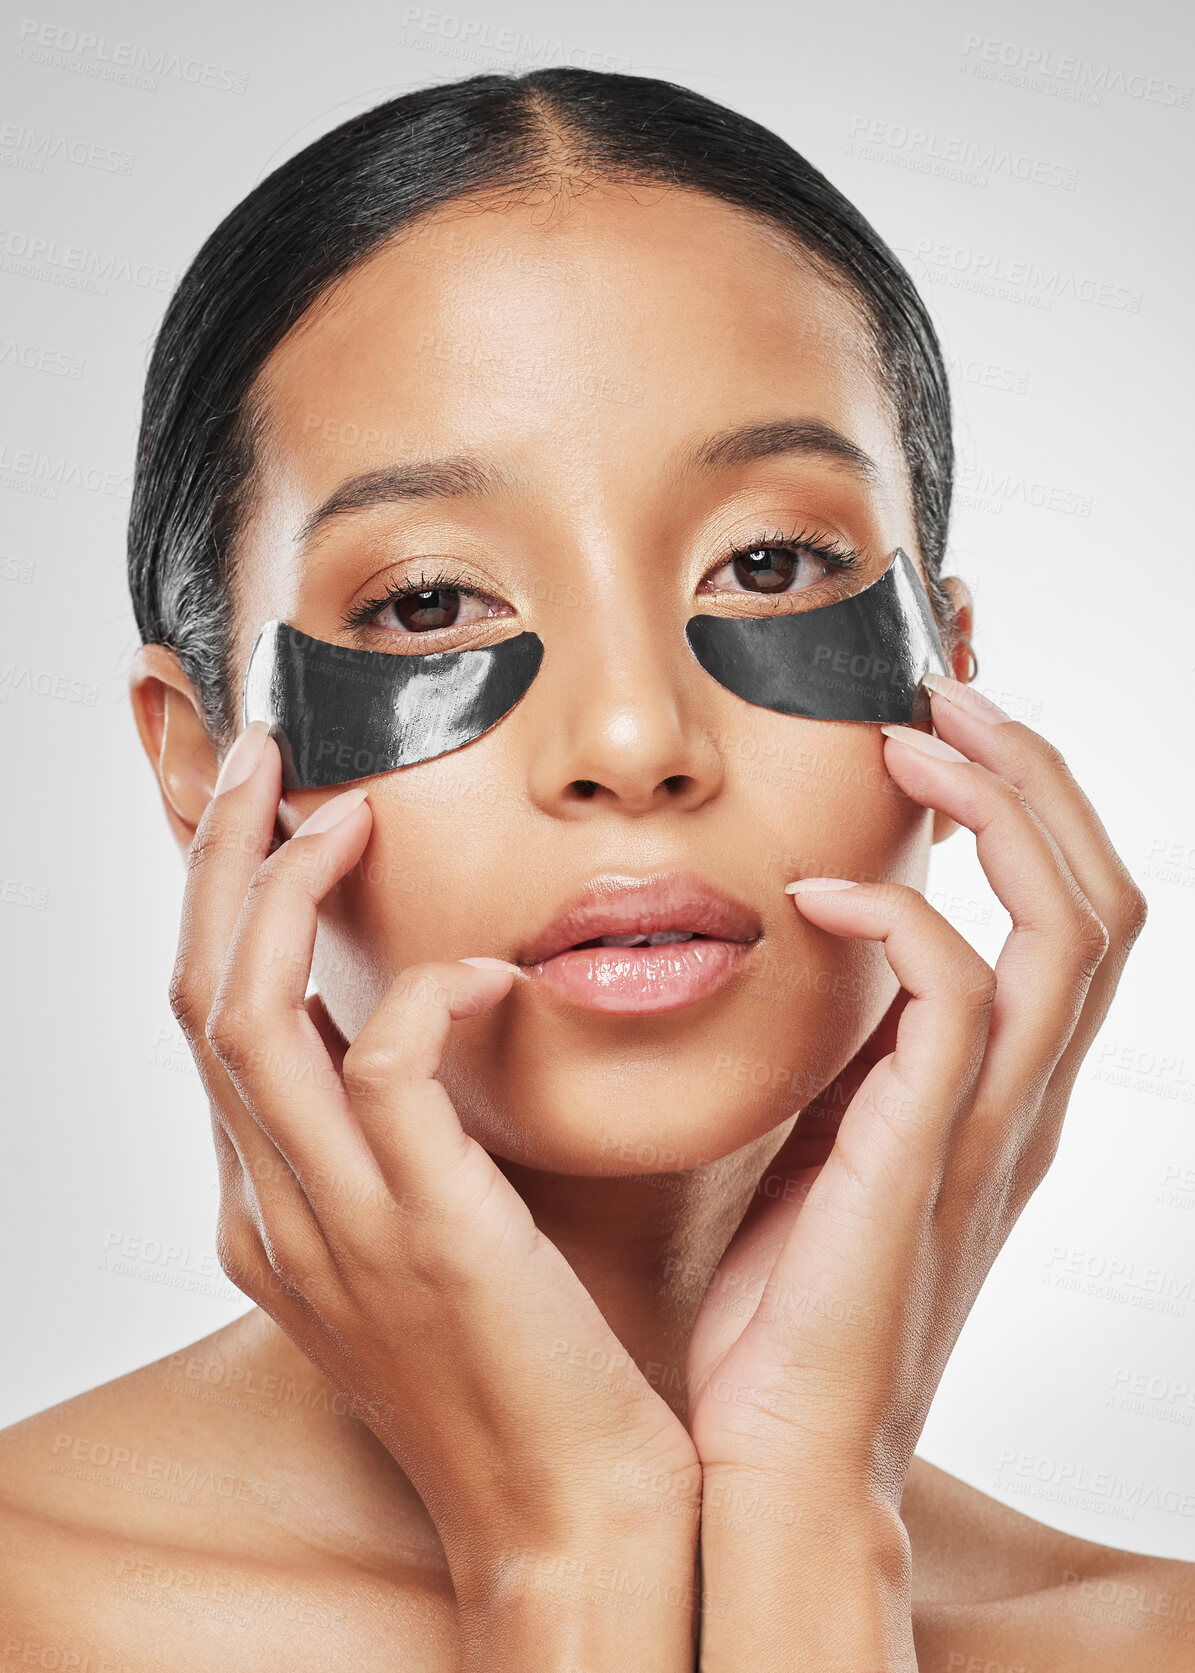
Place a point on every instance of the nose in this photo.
(618, 725)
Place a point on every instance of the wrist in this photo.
(580, 1603)
(806, 1574)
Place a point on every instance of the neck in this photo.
(645, 1246)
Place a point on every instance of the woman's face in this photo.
(585, 355)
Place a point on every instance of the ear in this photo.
(961, 664)
(169, 714)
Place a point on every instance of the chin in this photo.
(607, 1097)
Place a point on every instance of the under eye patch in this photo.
(861, 658)
(338, 713)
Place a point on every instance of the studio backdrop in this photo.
(1031, 165)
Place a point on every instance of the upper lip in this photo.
(639, 905)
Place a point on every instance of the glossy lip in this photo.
(640, 981)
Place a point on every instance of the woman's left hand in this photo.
(827, 1328)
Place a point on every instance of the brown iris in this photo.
(766, 571)
(422, 612)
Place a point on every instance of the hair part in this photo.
(482, 140)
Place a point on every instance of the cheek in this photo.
(457, 866)
(819, 793)
(435, 882)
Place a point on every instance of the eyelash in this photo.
(833, 552)
(363, 613)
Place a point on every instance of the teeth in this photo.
(657, 938)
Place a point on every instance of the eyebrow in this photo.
(751, 442)
(475, 476)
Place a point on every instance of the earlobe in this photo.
(169, 715)
(962, 657)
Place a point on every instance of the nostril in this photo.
(677, 783)
(585, 787)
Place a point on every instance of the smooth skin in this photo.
(546, 1300)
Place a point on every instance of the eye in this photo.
(424, 604)
(779, 564)
(434, 607)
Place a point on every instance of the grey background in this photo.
(1031, 162)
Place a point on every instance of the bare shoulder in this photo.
(142, 1528)
(993, 1588)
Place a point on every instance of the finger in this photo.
(230, 842)
(232, 839)
(1056, 942)
(865, 1217)
(1026, 760)
(812, 1137)
(942, 1028)
(390, 1074)
(1036, 768)
(260, 1026)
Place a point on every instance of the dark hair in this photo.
(342, 197)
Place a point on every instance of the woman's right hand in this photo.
(386, 1243)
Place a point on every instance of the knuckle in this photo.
(975, 985)
(1037, 1158)
(1012, 796)
(185, 1002)
(237, 1254)
(370, 1064)
(1051, 756)
(228, 1034)
(206, 843)
(1127, 915)
(1089, 941)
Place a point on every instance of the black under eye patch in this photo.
(340, 714)
(862, 658)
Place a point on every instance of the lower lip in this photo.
(642, 981)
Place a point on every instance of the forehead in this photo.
(585, 342)
(617, 321)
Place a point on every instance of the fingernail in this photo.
(965, 697)
(925, 742)
(241, 760)
(331, 813)
(494, 964)
(815, 885)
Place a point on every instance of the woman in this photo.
(612, 1138)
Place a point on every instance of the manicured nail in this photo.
(925, 742)
(815, 885)
(331, 813)
(494, 964)
(241, 761)
(965, 697)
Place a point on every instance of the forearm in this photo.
(618, 1606)
(800, 1581)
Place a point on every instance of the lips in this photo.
(643, 946)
